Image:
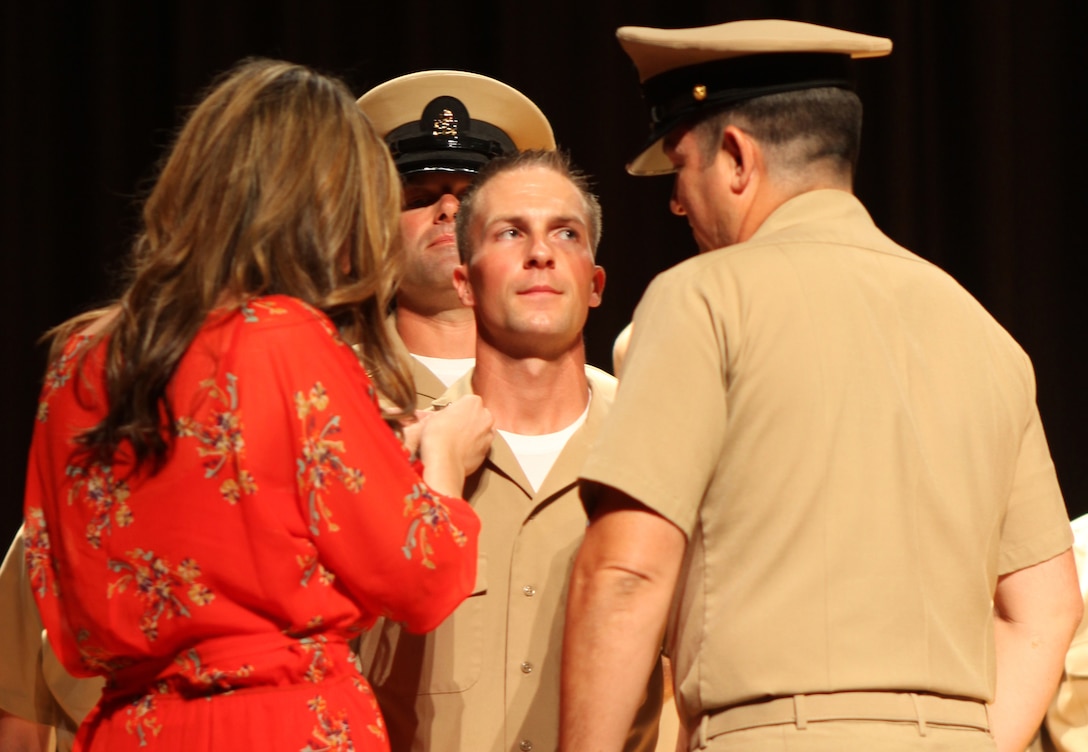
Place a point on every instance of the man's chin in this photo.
(429, 294)
(548, 331)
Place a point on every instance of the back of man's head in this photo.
(800, 131)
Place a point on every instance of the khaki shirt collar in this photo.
(564, 472)
(827, 215)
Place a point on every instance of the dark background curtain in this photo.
(973, 154)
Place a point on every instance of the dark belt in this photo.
(800, 710)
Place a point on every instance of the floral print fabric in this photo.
(218, 594)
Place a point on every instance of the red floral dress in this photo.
(218, 595)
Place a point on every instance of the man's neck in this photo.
(449, 334)
(531, 396)
(776, 193)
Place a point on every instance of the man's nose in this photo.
(674, 203)
(448, 206)
(540, 254)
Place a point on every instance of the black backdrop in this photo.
(973, 153)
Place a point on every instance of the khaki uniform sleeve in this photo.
(658, 445)
(1036, 523)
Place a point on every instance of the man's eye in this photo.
(419, 200)
(508, 234)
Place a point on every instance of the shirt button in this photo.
(529, 591)
(526, 668)
(526, 745)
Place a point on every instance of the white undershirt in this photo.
(536, 454)
(448, 370)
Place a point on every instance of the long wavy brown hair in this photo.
(277, 184)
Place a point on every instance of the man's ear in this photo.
(461, 284)
(743, 156)
(598, 286)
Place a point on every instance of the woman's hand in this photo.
(454, 442)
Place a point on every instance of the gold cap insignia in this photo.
(445, 124)
(699, 92)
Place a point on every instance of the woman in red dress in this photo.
(215, 504)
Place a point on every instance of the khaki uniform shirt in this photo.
(428, 386)
(487, 679)
(852, 447)
(33, 684)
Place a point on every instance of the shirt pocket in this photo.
(453, 658)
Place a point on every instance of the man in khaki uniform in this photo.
(41, 704)
(441, 127)
(825, 471)
(488, 678)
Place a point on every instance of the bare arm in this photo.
(1036, 610)
(620, 592)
